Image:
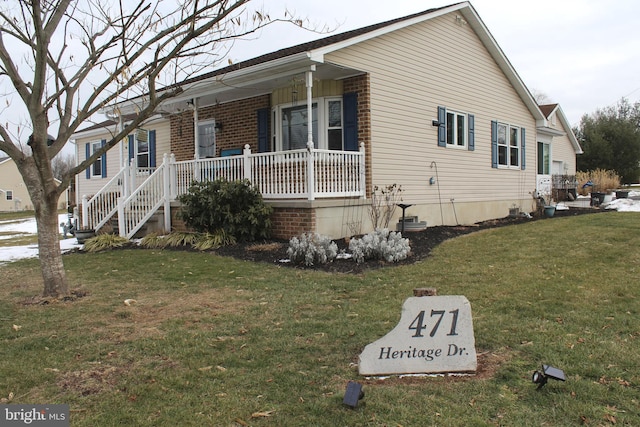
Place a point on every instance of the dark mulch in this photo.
(421, 242)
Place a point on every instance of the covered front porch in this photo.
(135, 194)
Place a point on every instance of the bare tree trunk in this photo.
(55, 281)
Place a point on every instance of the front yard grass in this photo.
(211, 341)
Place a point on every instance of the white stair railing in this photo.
(134, 211)
(99, 209)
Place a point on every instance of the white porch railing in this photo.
(296, 174)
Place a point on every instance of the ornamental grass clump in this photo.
(380, 244)
(105, 242)
(312, 248)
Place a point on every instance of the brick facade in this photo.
(240, 127)
(360, 84)
(239, 123)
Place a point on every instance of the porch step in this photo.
(155, 224)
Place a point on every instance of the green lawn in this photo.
(212, 341)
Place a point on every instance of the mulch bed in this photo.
(421, 242)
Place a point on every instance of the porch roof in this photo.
(264, 73)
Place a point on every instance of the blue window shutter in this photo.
(263, 130)
(87, 151)
(472, 133)
(523, 148)
(350, 118)
(152, 148)
(131, 148)
(104, 159)
(494, 144)
(442, 127)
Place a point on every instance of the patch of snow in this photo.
(28, 226)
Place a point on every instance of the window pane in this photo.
(451, 119)
(461, 130)
(335, 114)
(9, 194)
(514, 156)
(96, 168)
(502, 134)
(143, 160)
(206, 140)
(502, 155)
(294, 127)
(514, 137)
(335, 139)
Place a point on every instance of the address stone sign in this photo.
(434, 335)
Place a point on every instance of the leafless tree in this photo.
(62, 164)
(63, 61)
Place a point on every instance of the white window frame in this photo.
(322, 118)
(8, 195)
(509, 147)
(95, 146)
(136, 149)
(456, 140)
(202, 124)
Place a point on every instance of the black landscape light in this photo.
(353, 394)
(541, 378)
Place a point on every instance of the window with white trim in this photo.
(291, 131)
(508, 145)
(96, 167)
(142, 148)
(544, 158)
(207, 139)
(9, 194)
(456, 126)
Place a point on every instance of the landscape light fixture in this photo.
(541, 378)
(353, 394)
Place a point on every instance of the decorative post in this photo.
(246, 158)
(173, 177)
(310, 145)
(311, 171)
(122, 227)
(85, 211)
(166, 175)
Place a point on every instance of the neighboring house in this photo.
(14, 195)
(428, 102)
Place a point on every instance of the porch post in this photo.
(196, 140)
(166, 175)
(126, 176)
(85, 211)
(173, 176)
(310, 145)
(122, 227)
(363, 175)
(246, 157)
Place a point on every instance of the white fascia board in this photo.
(567, 127)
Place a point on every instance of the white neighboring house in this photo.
(14, 195)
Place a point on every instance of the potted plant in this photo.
(82, 234)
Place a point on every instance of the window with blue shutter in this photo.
(152, 148)
(87, 154)
(103, 165)
(442, 127)
(472, 133)
(522, 149)
(350, 118)
(263, 130)
(494, 144)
